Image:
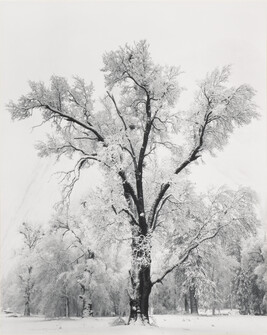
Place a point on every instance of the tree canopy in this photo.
(149, 202)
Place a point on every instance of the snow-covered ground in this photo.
(165, 325)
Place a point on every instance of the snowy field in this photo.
(165, 325)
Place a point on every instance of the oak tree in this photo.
(138, 117)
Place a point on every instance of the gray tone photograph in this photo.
(133, 167)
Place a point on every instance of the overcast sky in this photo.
(39, 39)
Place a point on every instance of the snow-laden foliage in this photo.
(146, 200)
(250, 280)
(219, 109)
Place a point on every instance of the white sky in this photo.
(38, 39)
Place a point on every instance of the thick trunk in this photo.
(139, 300)
(86, 291)
(193, 300)
(86, 302)
(140, 279)
(87, 308)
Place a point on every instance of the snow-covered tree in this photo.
(250, 281)
(137, 119)
(31, 237)
(55, 288)
(85, 265)
(97, 271)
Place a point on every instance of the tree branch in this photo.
(131, 151)
(151, 216)
(195, 152)
(67, 117)
(183, 257)
(133, 220)
(193, 156)
(153, 223)
(128, 190)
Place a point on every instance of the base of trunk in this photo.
(140, 320)
(87, 311)
(136, 316)
(193, 300)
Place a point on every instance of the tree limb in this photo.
(67, 117)
(195, 154)
(153, 223)
(128, 190)
(131, 151)
(133, 220)
(183, 257)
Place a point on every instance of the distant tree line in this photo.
(56, 276)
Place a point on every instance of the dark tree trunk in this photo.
(67, 307)
(140, 279)
(27, 311)
(193, 300)
(186, 304)
(87, 308)
(139, 301)
(213, 292)
(86, 302)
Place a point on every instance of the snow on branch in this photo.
(62, 105)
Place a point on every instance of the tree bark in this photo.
(87, 306)
(86, 291)
(139, 300)
(140, 286)
(86, 302)
(193, 300)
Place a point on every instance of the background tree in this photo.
(31, 237)
(250, 279)
(124, 136)
(85, 267)
(96, 269)
(57, 289)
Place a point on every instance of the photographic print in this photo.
(133, 167)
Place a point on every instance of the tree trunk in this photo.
(140, 287)
(193, 300)
(67, 307)
(139, 300)
(86, 301)
(87, 308)
(186, 304)
(213, 292)
(27, 295)
(27, 311)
